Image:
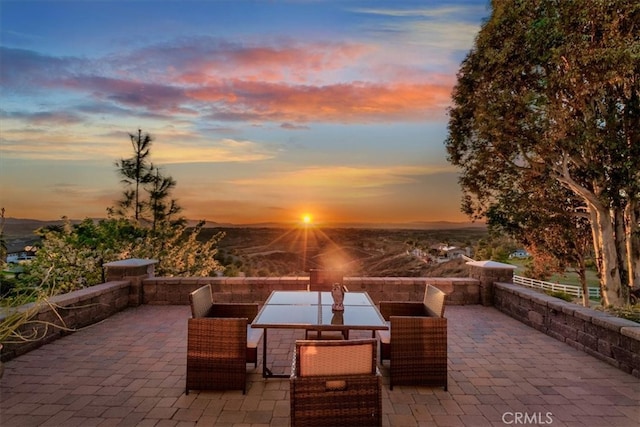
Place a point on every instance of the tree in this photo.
(75, 253)
(549, 221)
(136, 172)
(72, 256)
(551, 89)
(159, 191)
(147, 191)
(3, 241)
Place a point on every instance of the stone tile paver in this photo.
(130, 370)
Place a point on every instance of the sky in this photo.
(262, 111)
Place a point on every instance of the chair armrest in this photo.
(243, 310)
(401, 308)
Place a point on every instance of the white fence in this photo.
(556, 287)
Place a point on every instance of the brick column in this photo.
(487, 273)
(134, 270)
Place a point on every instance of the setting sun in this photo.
(306, 218)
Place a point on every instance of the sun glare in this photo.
(306, 218)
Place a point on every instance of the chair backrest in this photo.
(434, 301)
(335, 358)
(201, 301)
(224, 338)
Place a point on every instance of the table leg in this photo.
(266, 372)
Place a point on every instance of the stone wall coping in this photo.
(84, 294)
(631, 332)
(492, 265)
(612, 323)
(596, 317)
(131, 262)
(70, 298)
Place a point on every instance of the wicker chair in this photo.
(416, 342)
(220, 342)
(335, 383)
(316, 334)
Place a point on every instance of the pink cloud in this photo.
(354, 102)
(202, 60)
(290, 82)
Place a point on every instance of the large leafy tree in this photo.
(551, 89)
(550, 221)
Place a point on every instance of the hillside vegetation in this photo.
(357, 252)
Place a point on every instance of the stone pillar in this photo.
(134, 270)
(487, 273)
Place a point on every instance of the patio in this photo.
(129, 370)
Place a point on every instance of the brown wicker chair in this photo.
(220, 342)
(335, 383)
(416, 342)
(316, 334)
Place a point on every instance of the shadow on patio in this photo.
(129, 370)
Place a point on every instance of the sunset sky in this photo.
(261, 110)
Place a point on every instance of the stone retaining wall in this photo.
(84, 307)
(609, 338)
(78, 309)
(175, 290)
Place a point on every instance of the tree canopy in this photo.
(551, 89)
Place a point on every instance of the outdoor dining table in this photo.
(312, 311)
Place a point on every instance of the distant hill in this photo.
(279, 249)
(419, 225)
(22, 227)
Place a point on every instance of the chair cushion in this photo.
(253, 336)
(335, 360)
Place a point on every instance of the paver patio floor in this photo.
(129, 370)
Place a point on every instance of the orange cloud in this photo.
(355, 102)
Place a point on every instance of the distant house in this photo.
(417, 252)
(15, 256)
(520, 253)
(444, 253)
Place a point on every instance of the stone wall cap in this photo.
(491, 264)
(132, 262)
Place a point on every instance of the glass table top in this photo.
(291, 309)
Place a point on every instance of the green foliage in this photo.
(562, 295)
(179, 251)
(545, 122)
(76, 253)
(21, 325)
(497, 247)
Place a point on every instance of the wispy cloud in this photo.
(232, 82)
(225, 150)
(357, 177)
